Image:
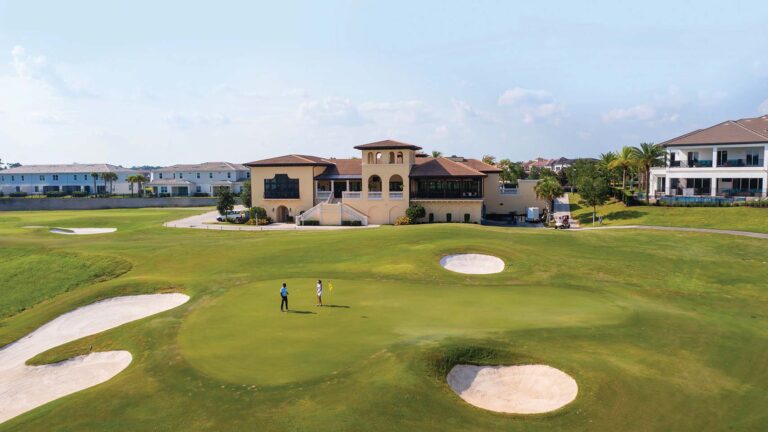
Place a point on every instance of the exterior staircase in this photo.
(332, 212)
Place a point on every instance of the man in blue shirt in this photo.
(284, 298)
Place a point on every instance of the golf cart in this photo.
(563, 222)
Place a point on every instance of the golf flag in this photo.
(330, 286)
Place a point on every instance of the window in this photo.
(181, 175)
(74, 177)
(198, 189)
(391, 157)
(370, 158)
(163, 189)
(378, 158)
(281, 186)
(722, 157)
(661, 183)
(448, 217)
(198, 176)
(396, 183)
(399, 157)
(753, 158)
(55, 177)
(229, 175)
(174, 175)
(431, 217)
(37, 189)
(374, 183)
(466, 217)
(247, 174)
(160, 175)
(22, 178)
(18, 188)
(13, 178)
(42, 178)
(210, 175)
(85, 176)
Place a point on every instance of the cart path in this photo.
(683, 229)
(562, 207)
(207, 221)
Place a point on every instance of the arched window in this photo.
(391, 157)
(399, 157)
(374, 183)
(395, 183)
(370, 158)
(378, 158)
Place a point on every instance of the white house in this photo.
(728, 159)
(39, 179)
(199, 179)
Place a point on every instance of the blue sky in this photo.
(149, 82)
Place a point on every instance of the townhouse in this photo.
(204, 179)
(67, 178)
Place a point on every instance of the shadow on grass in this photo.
(336, 306)
(575, 206)
(301, 312)
(586, 218)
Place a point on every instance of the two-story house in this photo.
(205, 179)
(379, 186)
(67, 178)
(728, 159)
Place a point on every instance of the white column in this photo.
(765, 159)
(713, 187)
(714, 157)
(667, 184)
(765, 186)
(332, 188)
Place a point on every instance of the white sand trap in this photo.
(528, 389)
(23, 388)
(82, 231)
(472, 263)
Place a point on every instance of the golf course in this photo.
(661, 330)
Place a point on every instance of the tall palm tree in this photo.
(131, 181)
(648, 155)
(94, 176)
(625, 160)
(436, 153)
(547, 189)
(141, 179)
(605, 163)
(108, 177)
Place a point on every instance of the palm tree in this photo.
(648, 155)
(94, 176)
(141, 179)
(489, 159)
(547, 189)
(131, 180)
(436, 154)
(108, 177)
(605, 163)
(625, 159)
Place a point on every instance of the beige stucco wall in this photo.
(496, 202)
(457, 209)
(384, 210)
(306, 176)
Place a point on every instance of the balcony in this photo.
(508, 190)
(691, 164)
(323, 195)
(396, 195)
(374, 195)
(351, 195)
(730, 163)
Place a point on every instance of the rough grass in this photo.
(662, 331)
(616, 213)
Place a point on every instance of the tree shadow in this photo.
(624, 214)
(575, 206)
(301, 312)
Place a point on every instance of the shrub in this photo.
(403, 220)
(17, 194)
(1, 194)
(258, 213)
(201, 194)
(79, 194)
(164, 195)
(290, 219)
(311, 223)
(264, 221)
(352, 223)
(415, 212)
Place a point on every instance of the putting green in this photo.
(242, 337)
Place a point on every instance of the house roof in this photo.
(387, 145)
(291, 160)
(205, 166)
(481, 166)
(68, 168)
(170, 182)
(442, 167)
(538, 162)
(749, 130)
(342, 169)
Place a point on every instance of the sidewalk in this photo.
(207, 221)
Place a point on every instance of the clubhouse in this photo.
(379, 186)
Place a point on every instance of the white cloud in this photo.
(186, 120)
(637, 112)
(763, 107)
(407, 112)
(533, 105)
(38, 68)
(331, 111)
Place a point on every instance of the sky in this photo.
(159, 83)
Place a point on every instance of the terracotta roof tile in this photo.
(292, 159)
(748, 130)
(387, 144)
(342, 169)
(442, 167)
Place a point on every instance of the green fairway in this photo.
(661, 330)
(730, 218)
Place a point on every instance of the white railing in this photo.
(374, 195)
(508, 191)
(351, 195)
(307, 214)
(395, 195)
(354, 214)
(323, 195)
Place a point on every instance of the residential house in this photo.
(67, 178)
(378, 187)
(727, 159)
(205, 179)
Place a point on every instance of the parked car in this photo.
(235, 216)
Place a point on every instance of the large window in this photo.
(452, 187)
(280, 186)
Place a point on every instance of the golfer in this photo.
(319, 293)
(283, 297)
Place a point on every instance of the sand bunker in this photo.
(472, 263)
(82, 231)
(23, 388)
(528, 389)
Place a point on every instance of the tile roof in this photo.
(205, 166)
(481, 166)
(749, 130)
(442, 167)
(386, 145)
(68, 168)
(170, 182)
(342, 169)
(291, 159)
